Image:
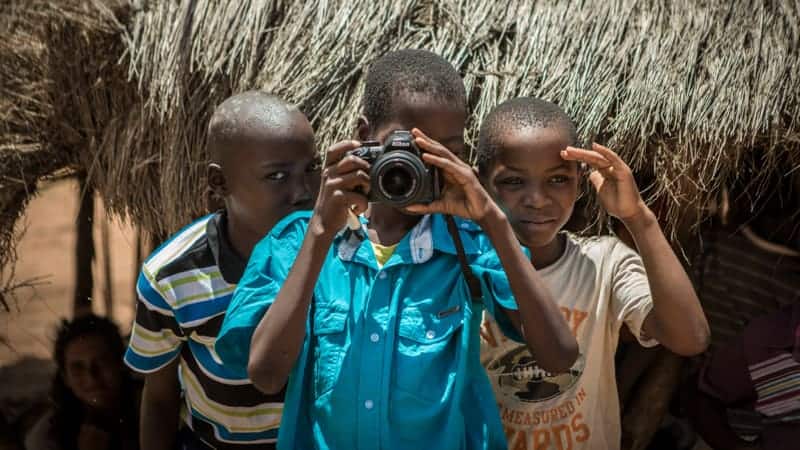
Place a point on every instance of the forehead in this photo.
(438, 119)
(288, 127)
(85, 348)
(258, 143)
(532, 148)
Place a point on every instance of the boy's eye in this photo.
(277, 176)
(511, 181)
(559, 179)
(315, 166)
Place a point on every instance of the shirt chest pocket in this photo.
(429, 337)
(331, 343)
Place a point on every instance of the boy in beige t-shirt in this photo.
(527, 162)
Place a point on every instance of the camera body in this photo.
(398, 176)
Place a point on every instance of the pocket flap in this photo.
(427, 327)
(330, 317)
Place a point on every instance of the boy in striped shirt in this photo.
(263, 163)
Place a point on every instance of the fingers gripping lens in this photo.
(398, 175)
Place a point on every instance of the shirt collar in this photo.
(417, 246)
(231, 264)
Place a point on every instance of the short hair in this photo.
(518, 114)
(409, 72)
(68, 410)
(235, 117)
(88, 325)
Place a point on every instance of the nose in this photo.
(90, 376)
(536, 198)
(302, 197)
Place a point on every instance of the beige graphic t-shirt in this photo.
(599, 283)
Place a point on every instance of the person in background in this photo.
(95, 399)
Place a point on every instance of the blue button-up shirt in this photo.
(391, 356)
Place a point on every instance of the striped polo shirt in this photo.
(184, 289)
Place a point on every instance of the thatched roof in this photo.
(56, 100)
(689, 92)
(22, 104)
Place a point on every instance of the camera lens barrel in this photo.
(399, 178)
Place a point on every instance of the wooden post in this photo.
(84, 250)
(138, 264)
(108, 291)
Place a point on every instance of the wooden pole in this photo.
(108, 288)
(84, 250)
(138, 263)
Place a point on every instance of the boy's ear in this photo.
(216, 180)
(363, 128)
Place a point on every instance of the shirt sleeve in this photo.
(156, 338)
(631, 298)
(266, 271)
(496, 291)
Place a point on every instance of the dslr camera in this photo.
(398, 176)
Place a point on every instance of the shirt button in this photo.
(374, 337)
(368, 404)
(430, 334)
(382, 275)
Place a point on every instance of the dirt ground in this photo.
(47, 250)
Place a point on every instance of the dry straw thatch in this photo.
(58, 94)
(23, 104)
(691, 93)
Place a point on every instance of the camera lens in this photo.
(398, 178)
(397, 182)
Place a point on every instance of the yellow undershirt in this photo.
(382, 252)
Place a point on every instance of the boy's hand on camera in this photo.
(613, 180)
(344, 187)
(462, 194)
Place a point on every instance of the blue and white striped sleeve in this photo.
(156, 338)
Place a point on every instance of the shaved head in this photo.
(250, 117)
(516, 115)
(262, 166)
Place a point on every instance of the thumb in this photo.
(418, 209)
(597, 179)
(431, 208)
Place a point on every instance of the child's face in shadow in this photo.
(271, 174)
(92, 372)
(533, 184)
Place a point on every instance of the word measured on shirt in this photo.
(558, 427)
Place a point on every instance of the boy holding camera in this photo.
(386, 355)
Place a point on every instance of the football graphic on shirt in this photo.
(516, 374)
